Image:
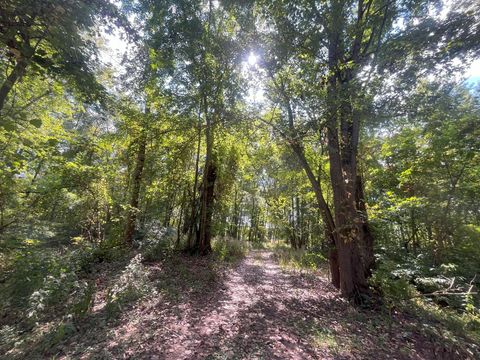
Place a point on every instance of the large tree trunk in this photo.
(351, 237)
(353, 281)
(328, 221)
(135, 192)
(204, 235)
(343, 125)
(203, 243)
(367, 244)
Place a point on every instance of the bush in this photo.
(392, 283)
(420, 274)
(42, 282)
(132, 284)
(85, 257)
(59, 333)
(299, 258)
(156, 242)
(55, 290)
(229, 249)
(83, 296)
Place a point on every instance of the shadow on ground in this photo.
(256, 310)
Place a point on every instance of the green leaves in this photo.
(36, 122)
(8, 125)
(50, 37)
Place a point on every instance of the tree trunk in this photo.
(135, 193)
(195, 185)
(353, 281)
(252, 221)
(180, 218)
(293, 227)
(349, 224)
(343, 128)
(203, 241)
(169, 210)
(366, 234)
(235, 217)
(203, 245)
(328, 221)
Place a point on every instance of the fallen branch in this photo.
(446, 292)
(439, 293)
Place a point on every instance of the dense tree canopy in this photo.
(343, 129)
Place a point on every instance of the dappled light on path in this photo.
(257, 310)
(247, 318)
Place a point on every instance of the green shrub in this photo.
(131, 285)
(83, 297)
(299, 258)
(155, 244)
(55, 290)
(85, 258)
(43, 281)
(229, 249)
(58, 334)
(392, 283)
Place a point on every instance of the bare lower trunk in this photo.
(203, 243)
(328, 221)
(180, 218)
(203, 240)
(333, 263)
(351, 239)
(135, 193)
(366, 234)
(194, 192)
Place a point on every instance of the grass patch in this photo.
(325, 338)
(229, 249)
(298, 259)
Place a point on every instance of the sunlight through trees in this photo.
(342, 137)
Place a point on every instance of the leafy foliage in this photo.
(296, 127)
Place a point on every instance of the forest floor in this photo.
(253, 309)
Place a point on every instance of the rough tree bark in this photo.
(327, 217)
(193, 223)
(328, 221)
(203, 239)
(135, 189)
(368, 255)
(343, 127)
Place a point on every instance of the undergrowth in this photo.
(132, 284)
(297, 259)
(49, 280)
(433, 294)
(229, 249)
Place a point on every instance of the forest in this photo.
(239, 179)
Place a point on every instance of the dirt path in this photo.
(256, 310)
(257, 313)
